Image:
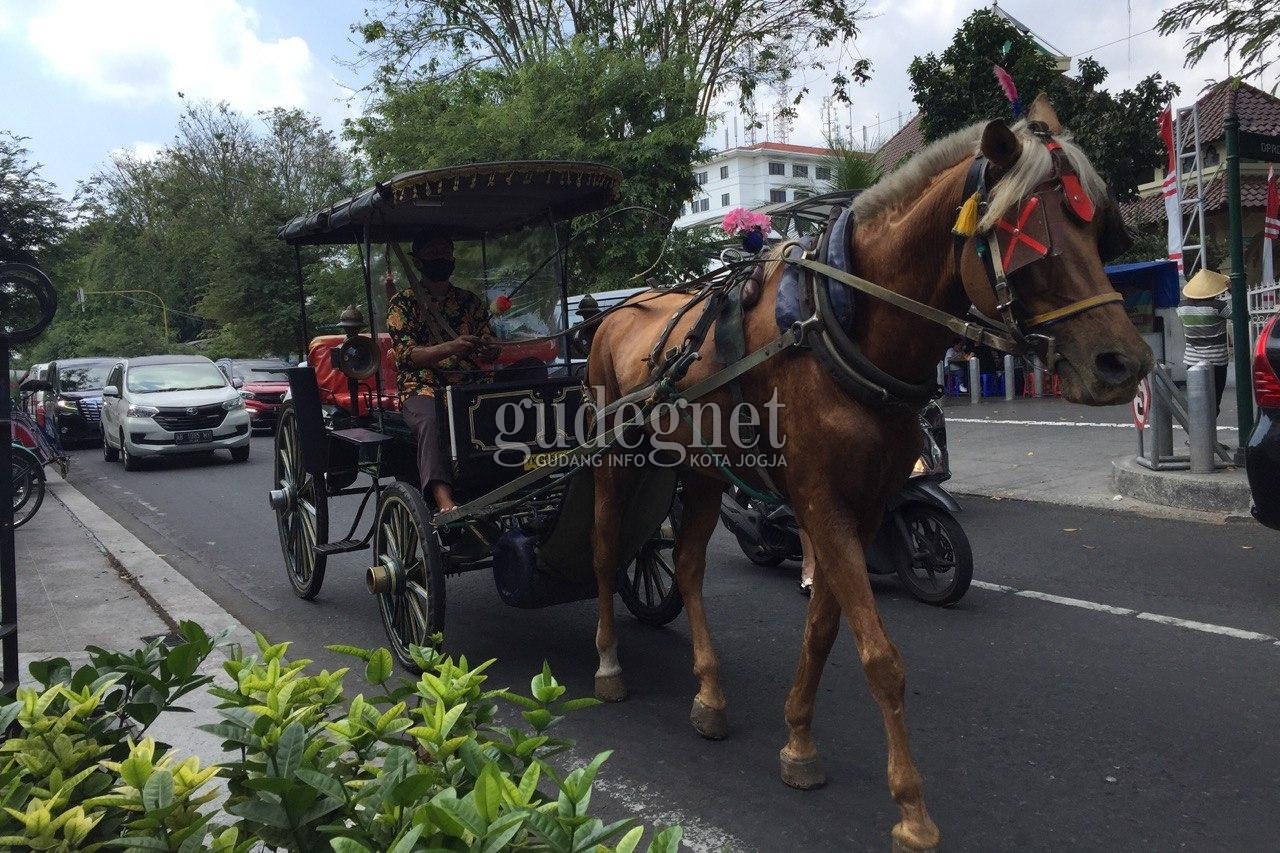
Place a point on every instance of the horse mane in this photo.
(907, 182)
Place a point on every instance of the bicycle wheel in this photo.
(27, 302)
(28, 486)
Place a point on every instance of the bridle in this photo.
(1022, 239)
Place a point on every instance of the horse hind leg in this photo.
(700, 513)
(801, 765)
(841, 565)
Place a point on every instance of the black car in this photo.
(75, 401)
(1262, 455)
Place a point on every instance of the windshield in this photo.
(260, 371)
(85, 377)
(523, 266)
(195, 376)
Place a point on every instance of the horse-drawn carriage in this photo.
(526, 508)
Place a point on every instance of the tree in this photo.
(958, 88)
(195, 227)
(1246, 29)
(850, 169)
(579, 103)
(722, 44)
(31, 212)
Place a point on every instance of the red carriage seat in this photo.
(334, 388)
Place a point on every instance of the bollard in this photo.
(1009, 376)
(1201, 419)
(975, 380)
(1160, 424)
(1037, 377)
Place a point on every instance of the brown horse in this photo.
(842, 459)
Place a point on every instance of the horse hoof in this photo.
(711, 723)
(802, 773)
(610, 688)
(923, 840)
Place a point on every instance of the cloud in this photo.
(149, 50)
(141, 150)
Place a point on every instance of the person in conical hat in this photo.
(1204, 311)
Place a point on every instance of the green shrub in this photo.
(420, 765)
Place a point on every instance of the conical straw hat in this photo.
(1206, 284)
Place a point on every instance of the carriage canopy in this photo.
(470, 202)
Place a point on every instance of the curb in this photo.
(170, 594)
(1222, 492)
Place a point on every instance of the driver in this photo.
(436, 333)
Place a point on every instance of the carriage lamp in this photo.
(351, 320)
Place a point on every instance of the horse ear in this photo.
(1000, 145)
(1042, 110)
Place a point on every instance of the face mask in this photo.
(436, 269)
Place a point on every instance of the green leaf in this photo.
(488, 791)
(410, 790)
(529, 782)
(405, 844)
(261, 811)
(157, 793)
(182, 661)
(549, 829)
(322, 782)
(503, 830)
(628, 842)
(289, 751)
(352, 651)
(667, 841)
(379, 667)
(342, 844)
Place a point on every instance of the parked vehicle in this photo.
(74, 405)
(920, 539)
(1262, 453)
(167, 405)
(33, 402)
(262, 384)
(31, 450)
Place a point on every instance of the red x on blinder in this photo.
(1025, 239)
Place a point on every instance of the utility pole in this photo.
(164, 309)
(1239, 298)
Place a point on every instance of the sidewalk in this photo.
(1047, 449)
(83, 580)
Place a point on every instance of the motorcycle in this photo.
(919, 540)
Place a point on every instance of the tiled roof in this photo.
(1253, 196)
(906, 141)
(788, 148)
(1258, 112)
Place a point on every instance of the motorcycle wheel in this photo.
(761, 555)
(938, 567)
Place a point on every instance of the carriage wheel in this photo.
(302, 510)
(28, 487)
(408, 572)
(648, 586)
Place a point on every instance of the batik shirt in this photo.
(465, 312)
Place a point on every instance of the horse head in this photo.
(1044, 228)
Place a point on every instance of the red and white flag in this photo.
(1270, 229)
(1172, 201)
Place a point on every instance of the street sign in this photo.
(1142, 404)
(1258, 146)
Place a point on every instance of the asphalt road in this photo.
(1038, 724)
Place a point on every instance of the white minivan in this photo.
(169, 405)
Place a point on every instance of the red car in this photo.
(1262, 453)
(262, 383)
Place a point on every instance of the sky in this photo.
(84, 78)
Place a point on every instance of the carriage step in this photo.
(360, 436)
(342, 546)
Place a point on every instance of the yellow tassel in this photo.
(967, 220)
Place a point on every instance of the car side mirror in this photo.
(237, 383)
(110, 391)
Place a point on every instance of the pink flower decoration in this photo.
(740, 221)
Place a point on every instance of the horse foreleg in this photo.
(801, 766)
(604, 560)
(842, 567)
(700, 513)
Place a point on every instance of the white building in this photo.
(755, 175)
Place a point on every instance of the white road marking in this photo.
(1189, 624)
(952, 420)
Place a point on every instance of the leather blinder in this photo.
(1024, 238)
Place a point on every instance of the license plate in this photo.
(199, 436)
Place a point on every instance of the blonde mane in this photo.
(1033, 167)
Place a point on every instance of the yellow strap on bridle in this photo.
(1073, 309)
